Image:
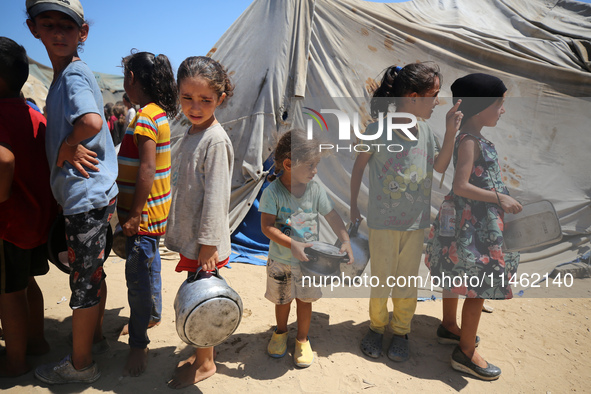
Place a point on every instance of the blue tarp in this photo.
(249, 244)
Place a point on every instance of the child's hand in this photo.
(132, 226)
(355, 214)
(208, 257)
(297, 250)
(453, 119)
(346, 247)
(77, 156)
(509, 204)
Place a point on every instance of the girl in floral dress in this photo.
(472, 263)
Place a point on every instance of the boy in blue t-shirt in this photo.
(83, 167)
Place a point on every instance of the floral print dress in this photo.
(472, 263)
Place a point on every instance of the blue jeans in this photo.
(144, 286)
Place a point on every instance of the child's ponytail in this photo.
(381, 98)
(154, 74)
(398, 82)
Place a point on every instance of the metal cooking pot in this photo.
(57, 248)
(323, 260)
(207, 310)
(536, 225)
(360, 246)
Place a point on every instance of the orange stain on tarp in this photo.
(211, 52)
(512, 178)
(373, 49)
(389, 44)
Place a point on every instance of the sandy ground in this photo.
(541, 344)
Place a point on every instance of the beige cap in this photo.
(72, 8)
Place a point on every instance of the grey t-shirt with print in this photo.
(400, 182)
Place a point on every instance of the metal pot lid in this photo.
(323, 249)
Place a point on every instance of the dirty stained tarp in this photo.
(282, 55)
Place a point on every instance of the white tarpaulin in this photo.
(282, 53)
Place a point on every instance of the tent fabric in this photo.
(283, 55)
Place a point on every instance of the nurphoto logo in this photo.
(348, 122)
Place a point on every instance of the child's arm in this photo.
(467, 152)
(356, 176)
(6, 172)
(453, 119)
(86, 126)
(143, 184)
(216, 203)
(337, 225)
(275, 235)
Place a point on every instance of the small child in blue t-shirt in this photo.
(289, 210)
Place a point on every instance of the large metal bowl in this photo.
(207, 310)
(323, 260)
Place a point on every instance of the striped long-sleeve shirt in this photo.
(150, 121)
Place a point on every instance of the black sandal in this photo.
(371, 344)
(461, 362)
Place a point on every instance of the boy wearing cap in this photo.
(83, 166)
(27, 210)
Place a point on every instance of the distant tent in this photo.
(282, 55)
(40, 78)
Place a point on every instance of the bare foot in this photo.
(189, 372)
(125, 329)
(8, 370)
(189, 360)
(137, 361)
(37, 347)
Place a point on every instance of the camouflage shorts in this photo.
(86, 236)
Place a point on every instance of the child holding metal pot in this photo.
(289, 209)
(198, 223)
(400, 198)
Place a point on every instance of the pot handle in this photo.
(200, 273)
(354, 228)
(352, 231)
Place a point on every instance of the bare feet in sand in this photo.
(137, 361)
(196, 368)
(125, 329)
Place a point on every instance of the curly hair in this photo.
(208, 69)
(296, 146)
(156, 78)
(398, 82)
